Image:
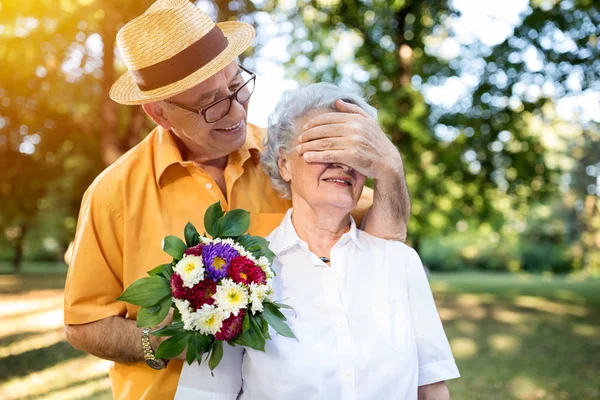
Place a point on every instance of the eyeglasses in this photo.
(220, 108)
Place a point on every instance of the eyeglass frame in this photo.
(231, 98)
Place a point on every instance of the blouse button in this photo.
(209, 186)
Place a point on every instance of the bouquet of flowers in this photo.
(220, 289)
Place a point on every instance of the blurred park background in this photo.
(494, 105)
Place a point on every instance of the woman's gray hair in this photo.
(282, 130)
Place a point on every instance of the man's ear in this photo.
(156, 111)
(284, 167)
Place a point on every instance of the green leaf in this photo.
(169, 330)
(158, 270)
(176, 315)
(246, 323)
(173, 346)
(276, 322)
(212, 219)
(270, 256)
(206, 343)
(216, 355)
(152, 316)
(274, 310)
(251, 339)
(146, 292)
(192, 238)
(280, 305)
(235, 223)
(174, 247)
(193, 348)
(265, 327)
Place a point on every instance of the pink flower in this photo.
(194, 251)
(232, 327)
(243, 270)
(177, 289)
(201, 293)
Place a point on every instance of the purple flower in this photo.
(216, 258)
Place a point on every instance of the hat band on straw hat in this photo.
(182, 64)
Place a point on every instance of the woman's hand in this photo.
(351, 137)
(435, 391)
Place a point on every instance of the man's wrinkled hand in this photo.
(351, 137)
(157, 340)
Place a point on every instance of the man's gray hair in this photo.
(282, 130)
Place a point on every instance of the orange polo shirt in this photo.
(147, 194)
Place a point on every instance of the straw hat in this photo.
(171, 48)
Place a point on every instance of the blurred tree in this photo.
(458, 159)
(55, 113)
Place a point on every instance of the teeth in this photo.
(338, 181)
(231, 128)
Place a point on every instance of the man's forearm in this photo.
(390, 212)
(113, 338)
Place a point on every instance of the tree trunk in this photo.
(111, 145)
(18, 250)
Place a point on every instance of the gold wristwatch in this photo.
(151, 360)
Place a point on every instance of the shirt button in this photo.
(209, 186)
(340, 324)
(347, 375)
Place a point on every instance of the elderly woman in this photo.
(364, 315)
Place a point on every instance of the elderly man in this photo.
(182, 70)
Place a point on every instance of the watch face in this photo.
(156, 363)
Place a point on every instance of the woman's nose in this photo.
(343, 167)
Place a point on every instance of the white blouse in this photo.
(367, 328)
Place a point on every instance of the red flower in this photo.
(201, 293)
(177, 289)
(232, 326)
(194, 251)
(243, 270)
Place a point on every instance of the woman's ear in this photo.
(283, 163)
(156, 111)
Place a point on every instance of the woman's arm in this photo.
(435, 391)
(436, 363)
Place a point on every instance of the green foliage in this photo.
(146, 292)
(235, 223)
(149, 317)
(174, 247)
(173, 346)
(212, 219)
(216, 355)
(192, 238)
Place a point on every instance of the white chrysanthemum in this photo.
(263, 263)
(208, 320)
(231, 296)
(191, 270)
(186, 313)
(204, 240)
(243, 252)
(258, 294)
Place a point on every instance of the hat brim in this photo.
(239, 36)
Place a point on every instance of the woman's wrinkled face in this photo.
(320, 184)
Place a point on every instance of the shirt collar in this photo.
(285, 236)
(166, 152)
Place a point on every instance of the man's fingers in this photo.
(330, 118)
(350, 108)
(321, 144)
(323, 131)
(330, 156)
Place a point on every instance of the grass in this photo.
(516, 337)
(521, 336)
